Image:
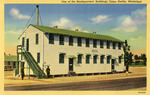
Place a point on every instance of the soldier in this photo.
(22, 73)
(48, 71)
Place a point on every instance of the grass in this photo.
(137, 65)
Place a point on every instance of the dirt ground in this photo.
(11, 80)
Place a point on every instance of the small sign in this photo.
(94, 50)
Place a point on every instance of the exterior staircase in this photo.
(31, 62)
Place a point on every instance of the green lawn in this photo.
(137, 65)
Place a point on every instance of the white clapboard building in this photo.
(68, 51)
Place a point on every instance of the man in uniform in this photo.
(48, 71)
(22, 73)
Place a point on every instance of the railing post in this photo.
(29, 72)
(17, 70)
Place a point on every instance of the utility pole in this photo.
(37, 14)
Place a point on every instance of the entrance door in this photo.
(113, 64)
(70, 64)
(27, 45)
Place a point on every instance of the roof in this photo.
(75, 33)
(10, 58)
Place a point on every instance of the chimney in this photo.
(94, 32)
(76, 29)
(55, 26)
(37, 14)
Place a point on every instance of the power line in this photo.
(30, 18)
(40, 18)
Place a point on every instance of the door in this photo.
(70, 64)
(27, 45)
(113, 64)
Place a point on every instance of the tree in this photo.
(143, 57)
(130, 58)
(127, 55)
(136, 58)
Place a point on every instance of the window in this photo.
(23, 41)
(14, 64)
(108, 45)
(87, 42)
(61, 58)
(61, 39)
(94, 43)
(38, 57)
(94, 59)
(70, 41)
(37, 38)
(119, 46)
(119, 59)
(114, 45)
(87, 59)
(101, 44)
(79, 59)
(27, 45)
(8, 63)
(79, 41)
(102, 59)
(51, 38)
(108, 59)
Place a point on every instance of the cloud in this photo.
(17, 15)
(131, 22)
(135, 38)
(100, 19)
(139, 16)
(66, 23)
(14, 31)
(128, 25)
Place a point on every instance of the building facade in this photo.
(10, 62)
(71, 51)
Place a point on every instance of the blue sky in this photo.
(123, 21)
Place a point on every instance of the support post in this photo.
(37, 14)
(29, 72)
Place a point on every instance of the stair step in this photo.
(33, 64)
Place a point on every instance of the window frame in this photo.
(61, 58)
(87, 60)
(108, 44)
(70, 41)
(94, 43)
(102, 59)
(87, 41)
(8, 63)
(38, 57)
(114, 45)
(61, 39)
(79, 41)
(14, 64)
(37, 39)
(119, 59)
(23, 41)
(108, 61)
(101, 43)
(79, 59)
(119, 45)
(95, 59)
(51, 38)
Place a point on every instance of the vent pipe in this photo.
(55, 26)
(76, 29)
(94, 32)
(37, 14)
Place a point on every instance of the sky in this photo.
(122, 21)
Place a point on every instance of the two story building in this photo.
(71, 51)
